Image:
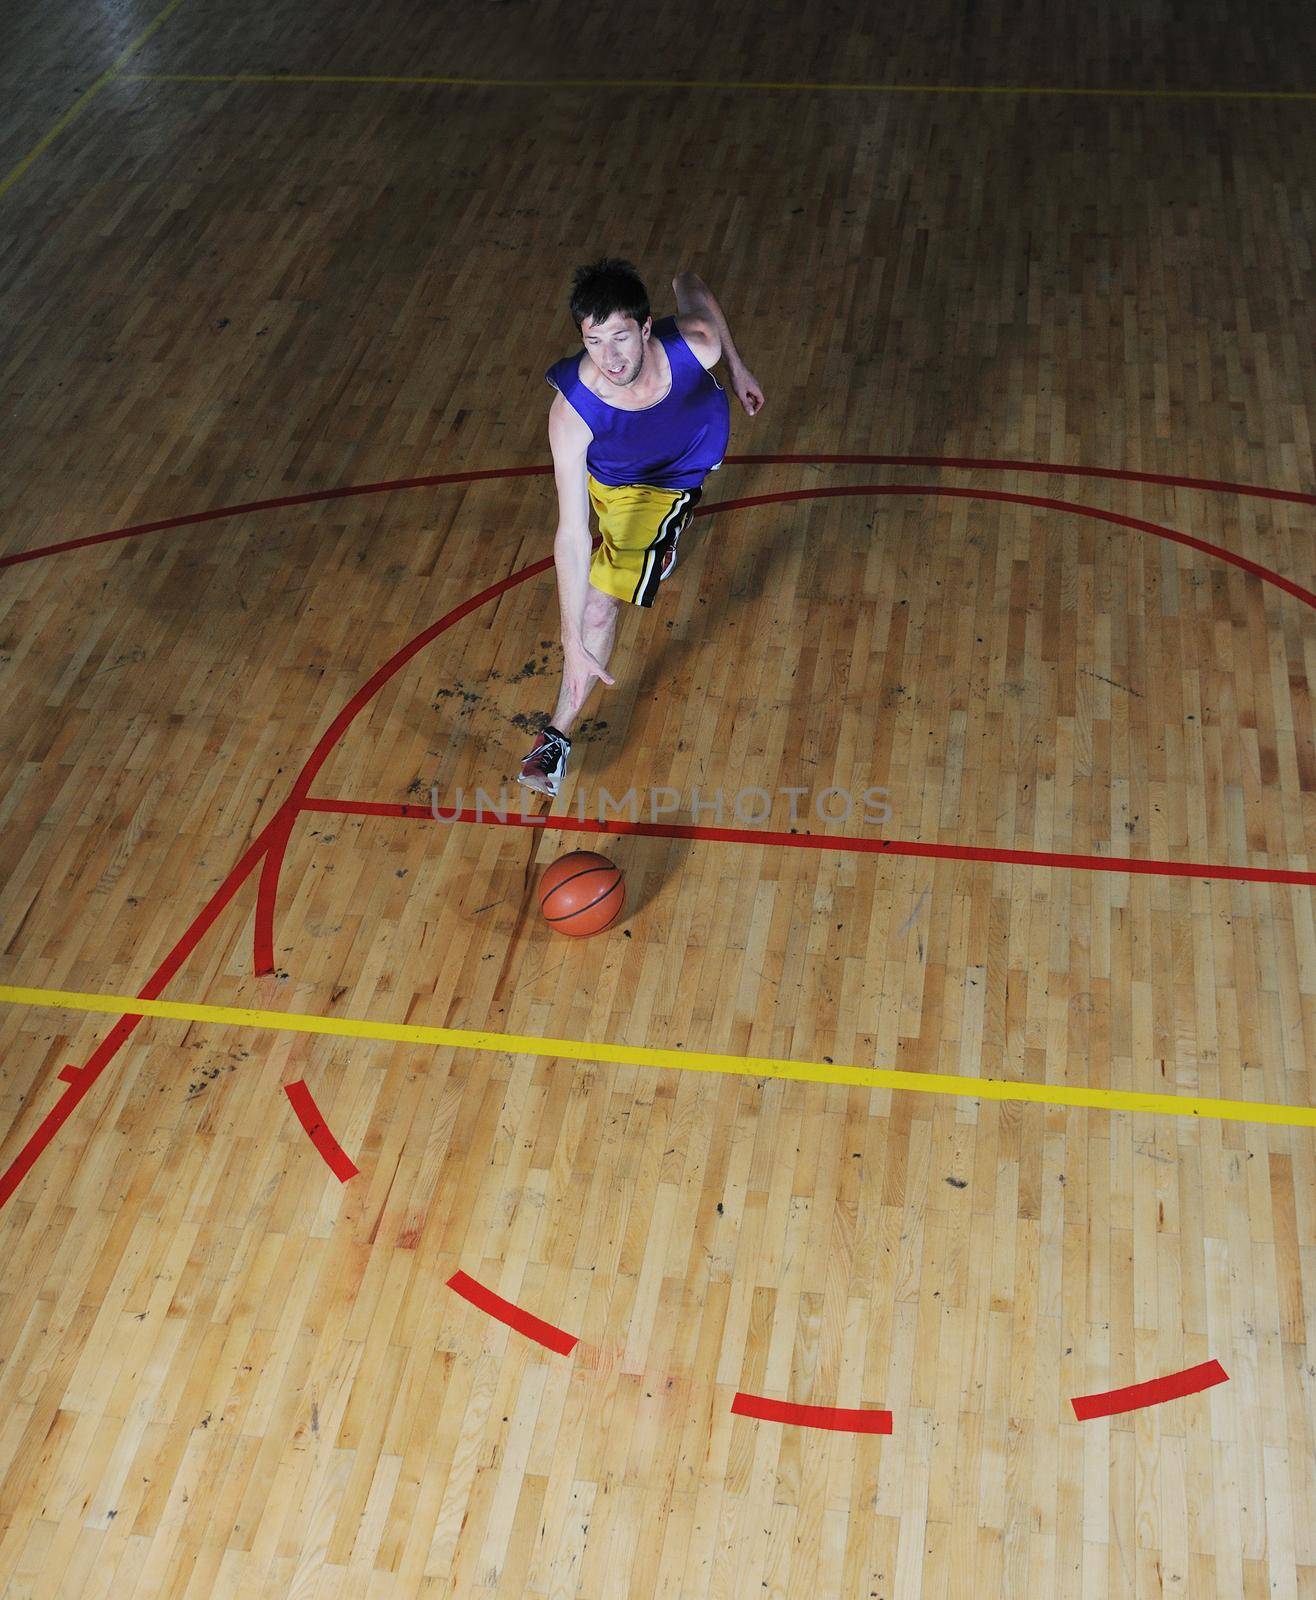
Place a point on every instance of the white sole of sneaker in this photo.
(538, 788)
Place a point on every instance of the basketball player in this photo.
(636, 426)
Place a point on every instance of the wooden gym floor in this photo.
(262, 253)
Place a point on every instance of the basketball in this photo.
(581, 893)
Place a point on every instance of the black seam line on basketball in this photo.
(572, 878)
(567, 915)
(543, 904)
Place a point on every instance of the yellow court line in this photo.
(713, 83)
(680, 1060)
(81, 103)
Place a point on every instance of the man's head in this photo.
(610, 307)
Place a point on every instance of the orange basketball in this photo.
(581, 893)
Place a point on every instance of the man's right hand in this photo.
(579, 668)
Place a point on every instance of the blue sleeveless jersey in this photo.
(674, 444)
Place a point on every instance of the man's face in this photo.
(616, 346)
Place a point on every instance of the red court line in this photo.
(267, 889)
(840, 1419)
(1055, 469)
(80, 1080)
(564, 823)
(308, 1114)
(522, 1321)
(272, 841)
(958, 463)
(1151, 1393)
(194, 517)
(263, 936)
(1070, 507)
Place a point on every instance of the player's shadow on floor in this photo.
(650, 864)
(608, 773)
(648, 861)
(748, 574)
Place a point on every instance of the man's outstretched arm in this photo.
(695, 299)
(571, 550)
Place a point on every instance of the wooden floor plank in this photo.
(225, 1371)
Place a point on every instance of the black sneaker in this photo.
(543, 769)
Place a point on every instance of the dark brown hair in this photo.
(607, 286)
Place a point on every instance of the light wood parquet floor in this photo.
(226, 1373)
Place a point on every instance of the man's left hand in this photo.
(745, 387)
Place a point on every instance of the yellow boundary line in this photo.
(712, 83)
(114, 71)
(84, 99)
(678, 1060)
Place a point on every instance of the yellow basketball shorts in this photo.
(640, 526)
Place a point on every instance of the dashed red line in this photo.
(839, 1419)
(545, 1333)
(308, 1114)
(1152, 1393)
